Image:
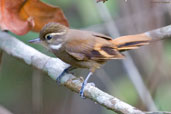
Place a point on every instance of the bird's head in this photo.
(51, 34)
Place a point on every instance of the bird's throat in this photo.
(55, 47)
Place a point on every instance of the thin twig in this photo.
(37, 97)
(129, 65)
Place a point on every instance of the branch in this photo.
(105, 1)
(158, 112)
(128, 63)
(155, 35)
(3, 110)
(54, 67)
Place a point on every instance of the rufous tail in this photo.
(131, 42)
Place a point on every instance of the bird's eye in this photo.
(48, 37)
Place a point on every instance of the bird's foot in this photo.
(58, 79)
(82, 93)
(92, 84)
(84, 84)
(82, 89)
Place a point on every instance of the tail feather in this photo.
(131, 42)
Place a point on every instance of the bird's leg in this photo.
(58, 79)
(83, 84)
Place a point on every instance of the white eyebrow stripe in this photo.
(59, 33)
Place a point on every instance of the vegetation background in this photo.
(26, 90)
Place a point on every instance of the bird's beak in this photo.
(36, 41)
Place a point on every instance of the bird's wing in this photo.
(93, 46)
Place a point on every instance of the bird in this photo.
(85, 49)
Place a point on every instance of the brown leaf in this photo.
(9, 19)
(161, 1)
(21, 16)
(42, 14)
(101, 1)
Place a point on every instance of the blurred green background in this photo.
(26, 90)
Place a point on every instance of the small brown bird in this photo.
(85, 49)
